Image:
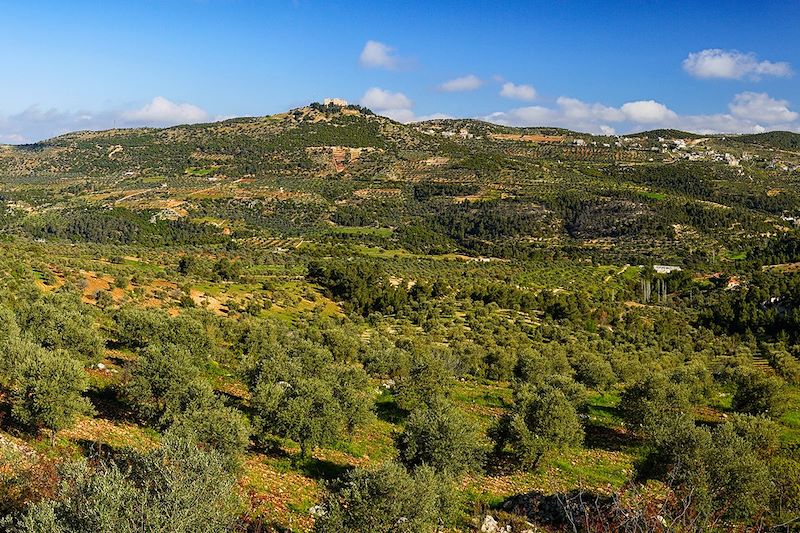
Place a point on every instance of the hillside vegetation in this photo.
(325, 320)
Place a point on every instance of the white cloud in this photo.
(575, 109)
(35, 124)
(379, 99)
(12, 138)
(464, 83)
(432, 116)
(161, 111)
(379, 55)
(716, 123)
(648, 112)
(761, 108)
(569, 113)
(397, 106)
(732, 64)
(749, 113)
(518, 92)
(400, 115)
(526, 116)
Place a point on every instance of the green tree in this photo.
(541, 420)
(388, 500)
(62, 321)
(9, 329)
(785, 474)
(645, 404)
(163, 383)
(215, 427)
(47, 391)
(187, 264)
(760, 432)
(139, 328)
(176, 488)
(717, 474)
(15, 351)
(352, 391)
(439, 437)
(593, 371)
(758, 393)
(308, 413)
(428, 381)
(738, 481)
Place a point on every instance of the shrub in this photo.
(542, 419)
(438, 436)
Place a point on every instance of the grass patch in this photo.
(200, 171)
(655, 196)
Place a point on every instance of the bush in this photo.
(173, 488)
(46, 393)
(542, 419)
(718, 474)
(785, 474)
(387, 499)
(215, 427)
(308, 414)
(647, 403)
(758, 394)
(352, 391)
(62, 322)
(163, 383)
(593, 371)
(428, 381)
(438, 436)
(139, 328)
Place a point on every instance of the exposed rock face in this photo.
(489, 525)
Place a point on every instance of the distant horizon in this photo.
(589, 66)
(476, 119)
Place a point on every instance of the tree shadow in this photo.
(389, 411)
(609, 438)
(500, 464)
(260, 525)
(12, 426)
(313, 467)
(107, 404)
(322, 469)
(99, 451)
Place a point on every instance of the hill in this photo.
(327, 320)
(784, 140)
(450, 185)
(666, 134)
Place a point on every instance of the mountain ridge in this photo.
(352, 110)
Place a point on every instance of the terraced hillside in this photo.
(457, 186)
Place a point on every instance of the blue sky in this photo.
(594, 66)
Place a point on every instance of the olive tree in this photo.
(215, 427)
(47, 391)
(439, 437)
(175, 487)
(388, 499)
(542, 419)
(308, 413)
(647, 403)
(758, 393)
(162, 383)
